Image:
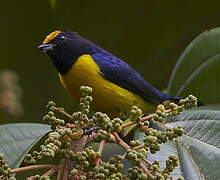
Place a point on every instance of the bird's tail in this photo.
(166, 97)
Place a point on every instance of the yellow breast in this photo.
(108, 97)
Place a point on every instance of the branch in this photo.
(118, 140)
(146, 161)
(63, 112)
(126, 146)
(146, 118)
(139, 147)
(142, 165)
(63, 171)
(79, 145)
(101, 147)
(27, 168)
(51, 172)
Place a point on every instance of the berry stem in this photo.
(27, 168)
(139, 147)
(63, 112)
(120, 141)
(79, 145)
(146, 118)
(101, 147)
(63, 171)
(126, 146)
(51, 172)
(142, 165)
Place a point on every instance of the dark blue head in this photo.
(65, 47)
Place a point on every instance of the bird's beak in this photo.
(46, 47)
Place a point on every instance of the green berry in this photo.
(143, 177)
(74, 172)
(180, 178)
(133, 143)
(82, 177)
(12, 178)
(86, 163)
(120, 166)
(161, 108)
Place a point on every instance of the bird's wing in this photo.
(120, 73)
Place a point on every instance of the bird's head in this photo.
(65, 47)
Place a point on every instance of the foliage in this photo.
(197, 70)
(71, 133)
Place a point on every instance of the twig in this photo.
(91, 137)
(31, 178)
(79, 145)
(63, 171)
(146, 161)
(146, 118)
(101, 147)
(142, 165)
(51, 172)
(139, 147)
(126, 146)
(63, 112)
(120, 141)
(27, 168)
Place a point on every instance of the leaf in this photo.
(190, 170)
(197, 71)
(201, 144)
(203, 125)
(17, 139)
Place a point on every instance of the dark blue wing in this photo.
(120, 73)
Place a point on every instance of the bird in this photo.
(116, 85)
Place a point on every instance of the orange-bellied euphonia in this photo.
(117, 86)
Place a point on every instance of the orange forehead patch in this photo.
(51, 36)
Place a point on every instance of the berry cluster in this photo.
(84, 158)
(38, 177)
(171, 164)
(135, 157)
(136, 173)
(109, 170)
(153, 138)
(102, 135)
(80, 119)
(102, 121)
(5, 171)
(51, 119)
(189, 102)
(135, 114)
(85, 100)
(170, 108)
(60, 139)
(71, 133)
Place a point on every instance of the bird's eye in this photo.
(62, 38)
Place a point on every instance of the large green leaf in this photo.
(17, 139)
(200, 147)
(198, 69)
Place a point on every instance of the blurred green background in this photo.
(149, 35)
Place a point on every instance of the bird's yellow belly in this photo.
(108, 97)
